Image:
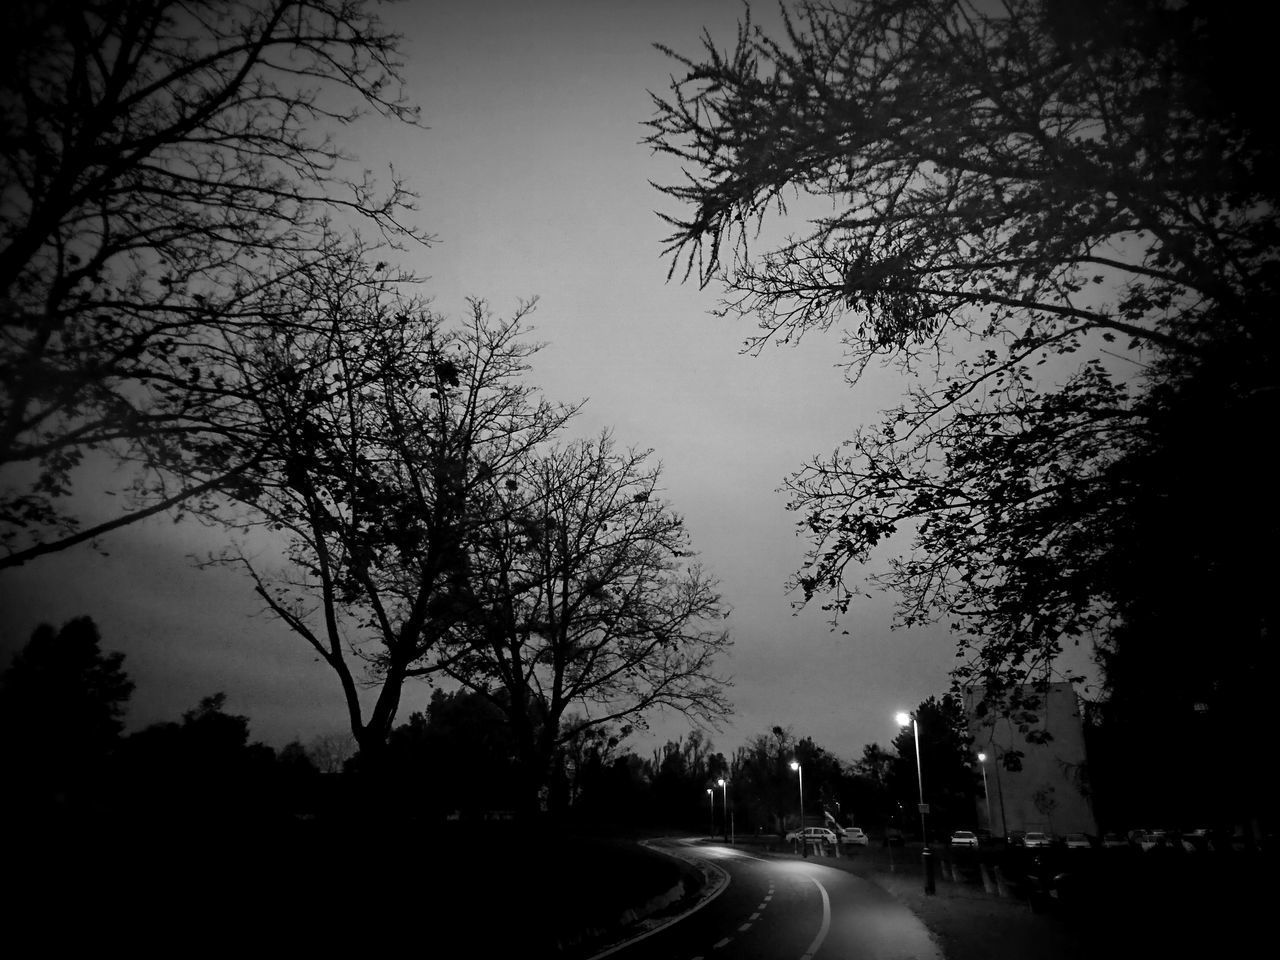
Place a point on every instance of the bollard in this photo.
(1002, 885)
(930, 886)
(988, 881)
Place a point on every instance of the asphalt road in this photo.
(786, 909)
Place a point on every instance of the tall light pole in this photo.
(728, 813)
(982, 762)
(711, 795)
(1004, 823)
(795, 765)
(903, 719)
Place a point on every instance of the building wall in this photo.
(1049, 793)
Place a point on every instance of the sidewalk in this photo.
(967, 923)
(1220, 917)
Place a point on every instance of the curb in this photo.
(703, 883)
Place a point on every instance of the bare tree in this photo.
(165, 167)
(330, 751)
(376, 450)
(585, 598)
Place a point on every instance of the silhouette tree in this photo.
(62, 704)
(329, 752)
(167, 167)
(1032, 196)
(950, 784)
(203, 767)
(457, 758)
(584, 598)
(377, 447)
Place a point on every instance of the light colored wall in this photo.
(1049, 792)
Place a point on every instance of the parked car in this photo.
(1147, 840)
(1035, 838)
(854, 836)
(964, 838)
(1113, 841)
(812, 834)
(1077, 841)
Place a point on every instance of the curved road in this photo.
(758, 907)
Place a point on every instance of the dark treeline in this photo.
(63, 701)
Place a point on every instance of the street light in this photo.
(904, 719)
(982, 762)
(795, 765)
(728, 821)
(711, 795)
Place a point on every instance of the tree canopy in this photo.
(1065, 209)
(376, 448)
(586, 598)
(168, 168)
(62, 703)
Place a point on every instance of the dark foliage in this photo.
(169, 169)
(1068, 212)
(62, 705)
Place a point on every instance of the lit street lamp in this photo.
(711, 795)
(795, 765)
(982, 762)
(728, 818)
(904, 719)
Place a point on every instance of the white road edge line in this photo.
(726, 879)
(826, 923)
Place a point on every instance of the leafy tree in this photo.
(679, 774)
(769, 790)
(1008, 192)
(457, 757)
(379, 441)
(874, 764)
(62, 704)
(615, 791)
(203, 765)
(584, 598)
(950, 787)
(167, 168)
(870, 799)
(584, 758)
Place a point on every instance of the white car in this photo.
(1077, 841)
(1034, 838)
(964, 838)
(812, 835)
(855, 836)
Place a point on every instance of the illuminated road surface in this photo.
(782, 910)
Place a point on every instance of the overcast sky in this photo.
(533, 176)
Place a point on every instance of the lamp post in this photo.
(1004, 823)
(728, 813)
(711, 795)
(982, 762)
(795, 765)
(929, 887)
